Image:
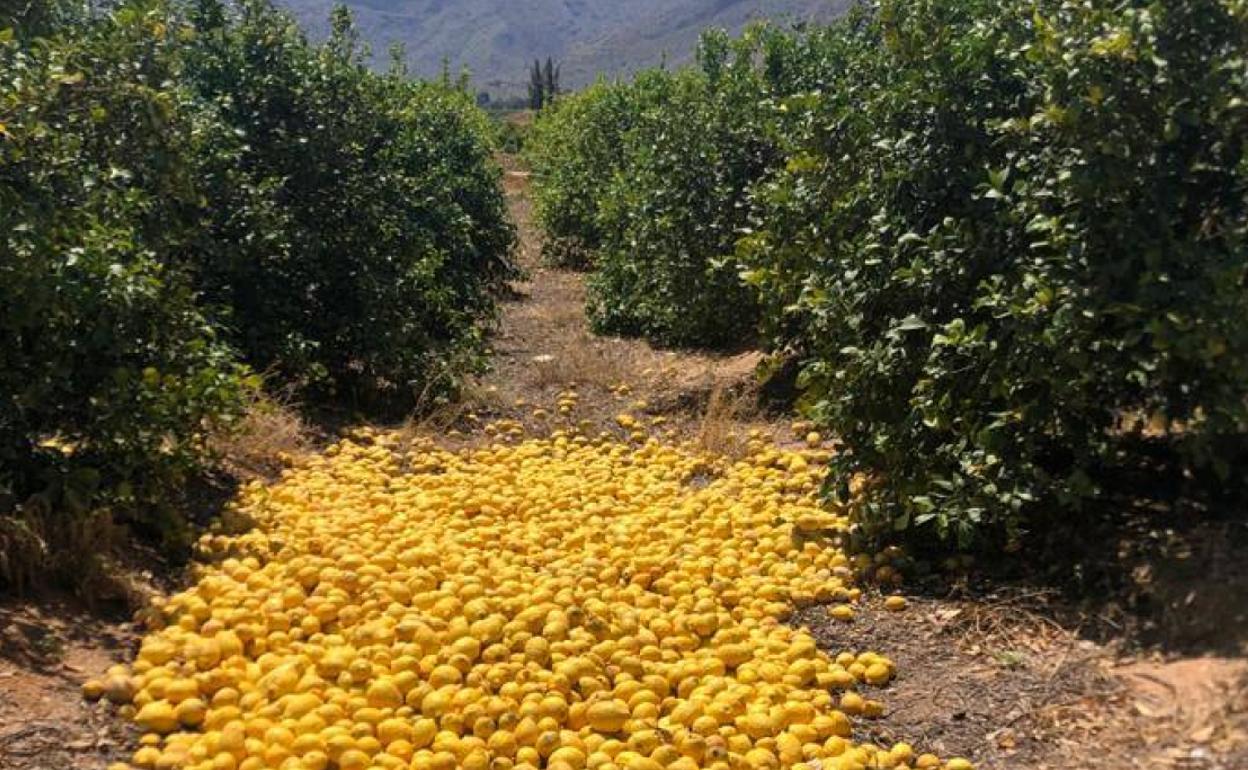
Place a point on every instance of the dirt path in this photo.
(991, 676)
(47, 649)
(544, 347)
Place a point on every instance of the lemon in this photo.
(842, 612)
(191, 712)
(608, 716)
(382, 693)
(157, 717)
(902, 753)
(92, 689)
(877, 674)
(119, 689)
(564, 602)
(895, 603)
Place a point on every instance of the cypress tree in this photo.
(537, 86)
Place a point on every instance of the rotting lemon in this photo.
(895, 603)
(564, 602)
(842, 612)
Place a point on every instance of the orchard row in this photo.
(1004, 242)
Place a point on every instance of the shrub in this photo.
(110, 376)
(648, 182)
(1010, 235)
(371, 232)
(512, 134)
(574, 147)
(180, 185)
(674, 209)
(668, 220)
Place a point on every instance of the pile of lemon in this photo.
(559, 603)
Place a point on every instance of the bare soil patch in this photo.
(48, 647)
(998, 681)
(544, 348)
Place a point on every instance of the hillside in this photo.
(495, 39)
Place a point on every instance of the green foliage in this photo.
(669, 216)
(649, 183)
(574, 149)
(1004, 240)
(512, 135)
(110, 375)
(30, 19)
(364, 232)
(190, 193)
(1007, 237)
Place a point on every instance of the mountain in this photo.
(498, 39)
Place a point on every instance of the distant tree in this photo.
(537, 86)
(344, 37)
(543, 83)
(551, 80)
(398, 60)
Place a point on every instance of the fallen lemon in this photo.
(895, 603)
(565, 602)
(841, 612)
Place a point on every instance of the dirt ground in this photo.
(1011, 677)
(48, 647)
(543, 346)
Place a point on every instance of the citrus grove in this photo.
(563, 602)
(994, 249)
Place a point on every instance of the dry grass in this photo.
(1148, 711)
(44, 545)
(1012, 621)
(40, 545)
(546, 345)
(720, 429)
(22, 551)
(261, 443)
(437, 420)
(584, 362)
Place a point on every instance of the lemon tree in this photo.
(110, 370)
(192, 190)
(1002, 242)
(573, 149)
(1009, 247)
(357, 233)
